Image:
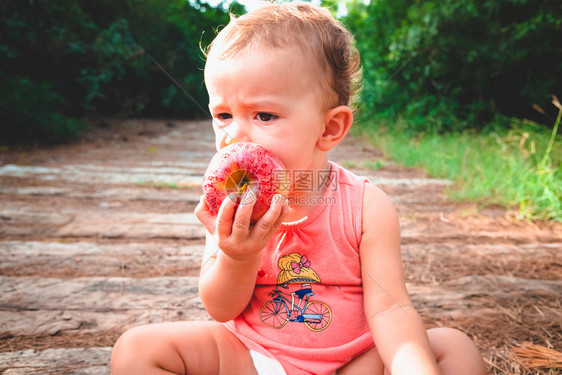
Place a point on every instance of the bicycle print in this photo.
(314, 314)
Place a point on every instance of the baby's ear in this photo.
(337, 122)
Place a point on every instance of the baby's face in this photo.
(272, 97)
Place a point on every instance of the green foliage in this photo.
(450, 65)
(448, 86)
(63, 61)
(517, 167)
(34, 111)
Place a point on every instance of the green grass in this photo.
(366, 164)
(517, 168)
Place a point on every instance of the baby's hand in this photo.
(231, 229)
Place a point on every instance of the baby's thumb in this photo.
(205, 215)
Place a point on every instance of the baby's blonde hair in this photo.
(312, 29)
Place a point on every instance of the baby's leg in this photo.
(180, 348)
(455, 353)
(368, 363)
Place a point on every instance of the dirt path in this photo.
(100, 236)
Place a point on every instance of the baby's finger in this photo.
(205, 215)
(225, 216)
(269, 222)
(284, 202)
(244, 213)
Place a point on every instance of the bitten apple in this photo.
(245, 167)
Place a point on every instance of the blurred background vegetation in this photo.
(463, 88)
(467, 89)
(64, 62)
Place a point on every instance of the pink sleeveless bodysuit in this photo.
(307, 306)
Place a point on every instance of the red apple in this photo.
(244, 166)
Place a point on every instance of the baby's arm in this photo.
(398, 331)
(233, 255)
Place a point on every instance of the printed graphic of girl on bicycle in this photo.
(295, 269)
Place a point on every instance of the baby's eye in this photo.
(265, 117)
(223, 116)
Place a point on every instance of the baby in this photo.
(315, 286)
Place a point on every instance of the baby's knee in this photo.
(128, 349)
(454, 349)
(444, 340)
(445, 335)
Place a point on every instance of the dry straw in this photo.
(538, 356)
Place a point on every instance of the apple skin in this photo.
(244, 166)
